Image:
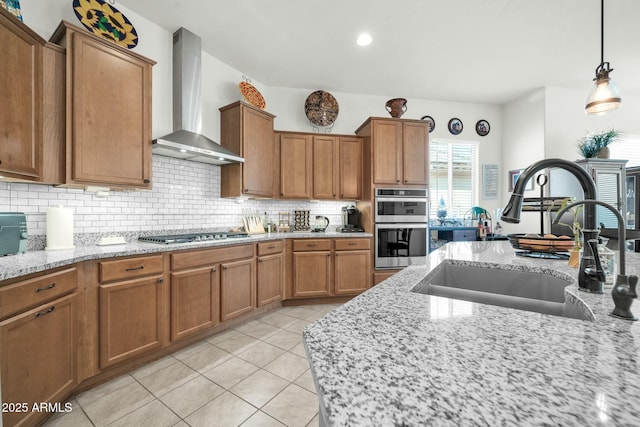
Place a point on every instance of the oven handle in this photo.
(403, 225)
(402, 199)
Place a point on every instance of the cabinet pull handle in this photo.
(146, 181)
(225, 268)
(161, 280)
(135, 268)
(271, 247)
(311, 245)
(397, 180)
(246, 190)
(45, 312)
(46, 288)
(259, 259)
(213, 270)
(352, 244)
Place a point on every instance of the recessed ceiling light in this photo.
(364, 39)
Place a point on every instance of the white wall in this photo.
(220, 87)
(566, 121)
(523, 143)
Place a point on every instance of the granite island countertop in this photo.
(13, 266)
(393, 357)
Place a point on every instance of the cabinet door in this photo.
(21, 106)
(325, 172)
(350, 160)
(195, 301)
(258, 152)
(353, 272)
(237, 289)
(38, 356)
(270, 279)
(415, 153)
(311, 274)
(387, 152)
(295, 166)
(110, 106)
(130, 319)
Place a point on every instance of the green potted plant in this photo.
(596, 144)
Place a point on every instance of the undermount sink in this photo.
(523, 290)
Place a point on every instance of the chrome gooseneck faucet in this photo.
(624, 290)
(589, 279)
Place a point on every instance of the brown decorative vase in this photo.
(574, 258)
(396, 107)
(604, 153)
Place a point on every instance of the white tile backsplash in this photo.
(185, 195)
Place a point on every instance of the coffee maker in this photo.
(350, 220)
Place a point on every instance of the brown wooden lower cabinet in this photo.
(38, 354)
(379, 276)
(195, 301)
(330, 267)
(270, 279)
(237, 288)
(352, 271)
(131, 318)
(311, 274)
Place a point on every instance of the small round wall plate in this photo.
(430, 122)
(455, 126)
(483, 128)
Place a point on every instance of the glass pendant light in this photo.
(604, 95)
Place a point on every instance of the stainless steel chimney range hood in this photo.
(186, 142)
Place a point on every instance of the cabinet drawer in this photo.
(352, 244)
(180, 260)
(29, 293)
(311, 245)
(268, 248)
(129, 268)
(464, 235)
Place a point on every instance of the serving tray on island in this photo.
(538, 243)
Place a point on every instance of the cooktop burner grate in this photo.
(191, 237)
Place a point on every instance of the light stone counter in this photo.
(12, 266)
(393, 357)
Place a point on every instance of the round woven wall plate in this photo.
(321, 108)
(106, 21)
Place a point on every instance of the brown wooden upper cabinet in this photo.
(337, 167)
(296, 157)
(108, 141)
(322, 167)
(350, 166)
(21, 88)
(399, 151)
(248, 131)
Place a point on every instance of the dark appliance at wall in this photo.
(401, 227)
(351, 222)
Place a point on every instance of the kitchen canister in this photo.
(59, 228)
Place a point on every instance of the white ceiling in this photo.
(485, 51)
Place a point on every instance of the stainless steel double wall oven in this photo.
(401, 226)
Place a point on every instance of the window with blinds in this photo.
(626, 148)
(452, 172)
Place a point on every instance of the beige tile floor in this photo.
(253, 375)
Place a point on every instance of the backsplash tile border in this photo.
(185, 198)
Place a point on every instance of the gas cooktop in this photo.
(192, 237)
